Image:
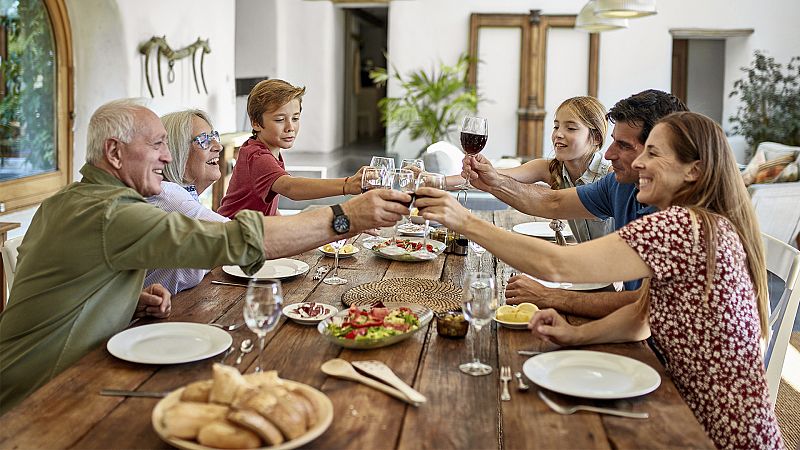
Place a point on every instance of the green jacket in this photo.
(81, 267)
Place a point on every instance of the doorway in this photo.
(366, 42)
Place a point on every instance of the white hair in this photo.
(179, 135)
(115, 119)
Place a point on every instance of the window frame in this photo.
(29, 191)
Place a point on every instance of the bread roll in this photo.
(305, 405)
(291, 422)
(223, 434)
(227, 381)
(185, 419)
(257, 423)
(266, 379)
(197, 391)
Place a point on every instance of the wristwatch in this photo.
(341, 223)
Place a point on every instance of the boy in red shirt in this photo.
(259, 176)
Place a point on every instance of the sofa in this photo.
(777, 205)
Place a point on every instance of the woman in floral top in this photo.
(705, 301)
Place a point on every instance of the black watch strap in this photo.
(341, 223)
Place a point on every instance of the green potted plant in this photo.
(431, 103)
(770, 102)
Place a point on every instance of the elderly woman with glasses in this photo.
(195, 149)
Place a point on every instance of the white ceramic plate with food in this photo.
(570, 286)
(322, 406)
(404, 252)
(169, 343)
(346, 251)
(274, 269)
(540, 230)
(309, 313)
(512, 325)
(412, 229)
(589, 374)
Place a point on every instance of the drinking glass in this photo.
(373, 178)
(415, 165)
(386, 166)
(474, 134)
(479, 250)
(336, 279)
(262, 310)
(479, 302)
(434, 180)
(403, 181)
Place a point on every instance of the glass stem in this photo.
(425, 237)
(336, 264)
(260, 352)
(476, 347)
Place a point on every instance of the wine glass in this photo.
(336, 279)
(434, 180)
(474, 134)
(415, 165)
(372, 178)
(479, 302)
(386, 166)
(479, 250)
(403, 181)
(262, 310)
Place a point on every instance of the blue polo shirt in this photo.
(607, 198)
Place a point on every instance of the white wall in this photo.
(631, 60)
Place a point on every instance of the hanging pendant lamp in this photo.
(588, 21)
(624, 8)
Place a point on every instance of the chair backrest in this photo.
(783, 261)
(9, 252)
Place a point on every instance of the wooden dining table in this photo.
(461, 411)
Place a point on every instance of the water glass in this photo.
(403, 181)
(263, 302)
(415, 165)
(336, 279)
(479, 250)
(479, 303)
(434, 180)
(385, 165)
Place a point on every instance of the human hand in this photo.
(522, 288)
(376, 208)
(480, 172)
(414, 169)
(439, 206)
(548, 325)
(353, 183)
(154, 300)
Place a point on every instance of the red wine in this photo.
(473, 143)
(408, 204)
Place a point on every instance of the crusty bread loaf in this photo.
(185, 419)
(288, 420)
(197, 391)
(224, 434)
(227, 381)
(305, 406)
(257, 423)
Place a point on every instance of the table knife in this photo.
(124, 393)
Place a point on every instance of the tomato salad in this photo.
(375, 323)
(405, 244)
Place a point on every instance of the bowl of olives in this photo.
(451, 324)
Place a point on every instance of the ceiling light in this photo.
(588, 21)
(624, 8)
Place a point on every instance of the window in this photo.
(35, 101)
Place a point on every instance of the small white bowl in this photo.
(417, 220)
(290, 312)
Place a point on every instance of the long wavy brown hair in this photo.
(718, 192)
(591, 113)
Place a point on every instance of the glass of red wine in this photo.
(474, 134)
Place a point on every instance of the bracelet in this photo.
(344, 185)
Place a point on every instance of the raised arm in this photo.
(290, 235)
(531, 199)
(299, 188)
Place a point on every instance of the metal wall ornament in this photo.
(163, 49)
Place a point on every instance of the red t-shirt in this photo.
(255, 171)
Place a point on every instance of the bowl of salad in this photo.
(375, 326)
(407, 249)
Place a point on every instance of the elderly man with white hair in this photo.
(82, 263)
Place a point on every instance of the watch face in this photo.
(341, 224)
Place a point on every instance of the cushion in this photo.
(443, 157)
(773, 163)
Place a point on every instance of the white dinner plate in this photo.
(290, 311)
(570, 286)
(169, 343)
(540, 229)
(583, 373)
(273, 269)
(512, 325)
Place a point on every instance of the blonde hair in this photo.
(115, 119)
(179, 135)
(592, 114)
(719, 191)
(269, 95)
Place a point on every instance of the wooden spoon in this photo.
(381, 371)
(340, 368)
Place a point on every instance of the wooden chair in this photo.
(783, 261)
(9, 252)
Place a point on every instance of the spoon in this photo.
(338, 367)
(521, 386)
(246, 347)
(381, 371)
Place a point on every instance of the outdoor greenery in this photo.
(27, 104)
(770, 96)
(431, 103)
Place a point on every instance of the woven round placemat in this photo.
(436, 295)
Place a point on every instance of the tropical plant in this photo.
(770, 109)
(431, 103)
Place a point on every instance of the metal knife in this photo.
(528, 352)
(124, 393)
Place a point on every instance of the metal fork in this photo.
(571, 409)
(505, 377)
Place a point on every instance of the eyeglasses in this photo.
(204, 139)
